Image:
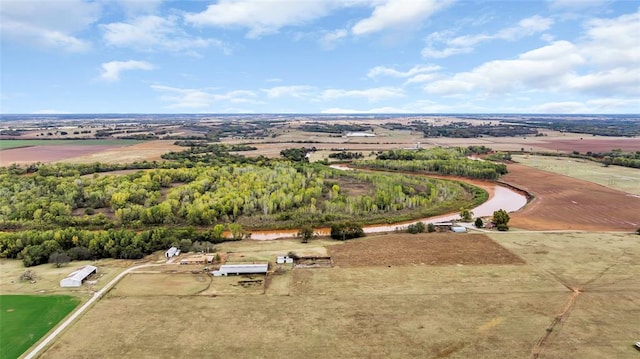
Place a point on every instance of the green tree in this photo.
(346, 230)
(501, 219)
(466, 215)
(479, 223)
(59, 259)
(431, 228)
(237, 232)
(305, 233)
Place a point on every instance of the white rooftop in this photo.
(83, 272)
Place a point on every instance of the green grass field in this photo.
(24, 319)
(7, 144)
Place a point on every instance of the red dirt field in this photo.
(426, 248)
(592, 144)
(44, 154)
(565, 203)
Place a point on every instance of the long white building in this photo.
(76, 278)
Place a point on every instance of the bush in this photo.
(502, 227)
(346, 230)
(479, 223)
(431, 228)
(415, 228)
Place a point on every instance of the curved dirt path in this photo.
(96, 295)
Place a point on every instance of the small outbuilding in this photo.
(76, 278)
(284, 259)
(173, 251)
(238, 269)
(458, 229)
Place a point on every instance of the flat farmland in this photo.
(565, 203)
(424, 248)
(617, 177)
(24, 319)
(411, 310)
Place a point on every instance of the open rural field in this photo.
(24, 319)
(47, 276)
(377, 311)
(617, 177)
(565, 203)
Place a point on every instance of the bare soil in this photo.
(44, 154)
(565, 203)
(425, 248)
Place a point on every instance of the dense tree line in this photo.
(346, 155)
(35, 247)
(444, 161)
(297, 154)
(334, 127)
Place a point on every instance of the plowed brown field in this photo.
(565, 203)
(403, 249)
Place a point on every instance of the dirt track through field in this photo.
(565, 203)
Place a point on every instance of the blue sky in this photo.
(319, 56)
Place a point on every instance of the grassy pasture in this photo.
(402, 311)
(616, 177)
(7, 144)
(24, 319)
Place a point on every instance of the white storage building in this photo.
(238, 269)
(76, 278)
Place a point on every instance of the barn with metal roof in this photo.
(238, 269)
(76, 278)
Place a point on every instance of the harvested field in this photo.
(410, 311)
(617, 177)
(565, 203)
(599, 144)
(50, 153)
(425, 248)
(145, 151)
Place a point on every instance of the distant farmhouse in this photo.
(76, 278)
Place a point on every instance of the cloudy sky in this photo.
(312, 56)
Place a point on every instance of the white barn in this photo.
(76, 278)
(238, 269)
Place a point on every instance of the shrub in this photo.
(479, 223)
(415, 228)
(502, 227)
(431, 228)
(346, 230)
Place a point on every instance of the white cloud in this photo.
(297, 91)
(372, 94)
(199, 98)
(337, 110)
(466, 43)
(260, 16)
(543, 68)
(577, 4)
(111, 70)
(397, 14)
(40, 22)
(152, 32)
(330, 39)
(614, 42)
(137, 7)
(389, 71)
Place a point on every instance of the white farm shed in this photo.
(458, 229)
(173, 251)
(238, 269)
(76, 278)
(284, 259)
